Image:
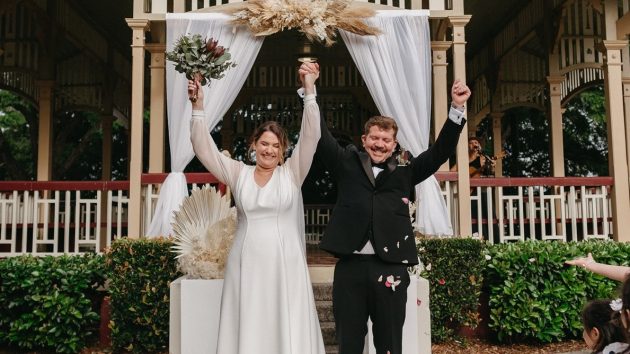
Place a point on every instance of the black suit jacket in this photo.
(367, 205)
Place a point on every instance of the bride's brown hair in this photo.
(272, 127)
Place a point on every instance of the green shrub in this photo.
(140, 273)
(454, 268)
(533, 296)
(50, 303)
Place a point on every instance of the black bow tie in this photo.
(381, 165)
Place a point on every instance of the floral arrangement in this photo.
(204, 229)
(200, 59)
(317, 19)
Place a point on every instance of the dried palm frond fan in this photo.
(203, 229)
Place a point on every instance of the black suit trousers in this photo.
(361, 291)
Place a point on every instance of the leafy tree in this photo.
(527, 140)
(585, 134)
(78, 149)
(18, 126)
(77, 143)
(527, 143)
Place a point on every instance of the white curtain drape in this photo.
(396, 67)
(244, 48)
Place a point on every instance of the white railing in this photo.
(51, 218)
(565, 209)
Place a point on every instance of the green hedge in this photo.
(140, 272)
(50, 303)
(534, 297)
(454, 268)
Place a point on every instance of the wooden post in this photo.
(138, 27)
(156, 125)
(459, 72)
(440, 88)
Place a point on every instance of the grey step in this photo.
(322, 291)
(324, 311)
(328, 333)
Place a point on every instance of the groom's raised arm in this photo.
(428, 162)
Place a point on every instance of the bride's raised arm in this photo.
(302, 157)
(222, 167)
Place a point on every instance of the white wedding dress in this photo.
(267, 306)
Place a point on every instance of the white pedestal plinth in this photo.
(194, 318)
(417, 327)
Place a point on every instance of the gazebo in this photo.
(65, 55)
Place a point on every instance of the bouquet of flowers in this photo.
(200, 59)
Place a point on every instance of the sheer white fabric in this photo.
(396, 67)
(267, 283)
(244, 48)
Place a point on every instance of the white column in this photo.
(617, 160)
(497, 142)
(45, 133)
(156, 125)
(138, 27)
(459, 72)
(555, 125)
(440, 88)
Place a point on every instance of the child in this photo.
(603, 331)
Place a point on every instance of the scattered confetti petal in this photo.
(488, 257)
(406, 237)
(441, 281)
(405, 261)
(380, 279)
(428, 267)
(397, 244)
(385, 249)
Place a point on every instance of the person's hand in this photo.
(459, 93)
(581, 261)
(192, 85)
(309, 73)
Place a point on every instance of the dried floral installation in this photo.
(319, 20)
(204, 229)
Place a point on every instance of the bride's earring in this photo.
(251, 155)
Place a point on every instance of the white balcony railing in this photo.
(51, 218)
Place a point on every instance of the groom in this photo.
(370, 230)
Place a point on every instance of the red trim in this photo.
(158, 178)
(147, 178)
(540, 181)
(63, 185)
(446, 176)
(197, 177)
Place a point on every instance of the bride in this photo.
(267, 306)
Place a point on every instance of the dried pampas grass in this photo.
(204, 229)
(317, 19)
